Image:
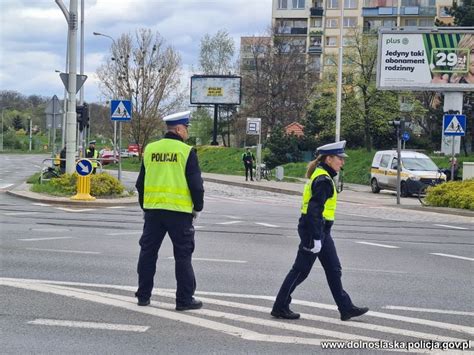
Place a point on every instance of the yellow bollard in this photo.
(83, 189)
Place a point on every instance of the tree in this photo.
(17, 123)
(201, 127)
(463, 13)
(147, 72)
(283, 148)
(275, 80)
(216, 54)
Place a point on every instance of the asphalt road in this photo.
(68, 277)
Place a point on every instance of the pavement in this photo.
(352, 193)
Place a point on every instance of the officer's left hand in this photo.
(195, 215)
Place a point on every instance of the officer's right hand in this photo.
(195, 214)
(317, 246)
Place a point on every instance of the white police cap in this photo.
(178, 118)
(92, 142)
(336, 148)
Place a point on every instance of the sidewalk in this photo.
(353, 193)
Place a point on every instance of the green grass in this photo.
(47, 188)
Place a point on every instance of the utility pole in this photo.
(71, 125)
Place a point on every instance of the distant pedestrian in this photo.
(314, 229)
(62, 160)
(171, 193)
(248, 159)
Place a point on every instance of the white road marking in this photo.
(75, 210)
(5, 186)
(65, 251)
(198, 227)
(39, 239)
(453, 256)
(233, 217)
(453, 227)
(90, 325)
(51, 230)
(336, 321)
(216, 260)
(425, 322)
(115, 207)
(430, 310)
(380, 245)
(19, 213)
(130, 305)
(230, 222)
(41, 204)
(126, 232)
(267, 225)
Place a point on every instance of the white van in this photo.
(417, 172)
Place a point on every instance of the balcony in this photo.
(418, 11)
(315, 49)
(380, 3)
(379, 11)
(292, 30)
(316, 11)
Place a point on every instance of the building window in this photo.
(426, 22)
(347, 41)
(351, 4)
(411, 22)
(332, 23)
(298, 4)
(350, 22)
(329, 60)
(333, 4)
(316, 22)
(444, 11)
(331, 41)
(282, 4)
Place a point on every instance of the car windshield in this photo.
(420, 164)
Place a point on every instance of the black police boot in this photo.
(354, 312)
(143, 301)
(284, 313)
(195, 304)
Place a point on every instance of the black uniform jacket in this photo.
(321, 189)
(193, 177)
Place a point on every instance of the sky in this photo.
(33, 35)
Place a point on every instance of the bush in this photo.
(454, 194)
(103, 184)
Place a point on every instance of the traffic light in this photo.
(399, 125)
(82, 116)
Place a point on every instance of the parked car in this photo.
(134, 149)
(107, 157)
(417, 172)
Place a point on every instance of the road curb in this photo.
(254, 186)
(37, 197)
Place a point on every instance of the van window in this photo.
(420, 164)
(385, 160)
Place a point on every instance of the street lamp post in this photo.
(119, 174)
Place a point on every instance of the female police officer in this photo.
(314, 228)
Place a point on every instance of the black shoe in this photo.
(251, 179)
(195, 304)
(143, 301)
(285, 314)
(354, 312)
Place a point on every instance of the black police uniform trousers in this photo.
(304, 263)
(248, 168)
(181, 231)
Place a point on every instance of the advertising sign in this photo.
(438, 59)
(215, 89)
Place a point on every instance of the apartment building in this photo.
(315, 25)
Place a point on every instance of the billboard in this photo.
(436, 59)
(215, 89)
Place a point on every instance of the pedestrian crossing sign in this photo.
(121, 110)
(454, 125)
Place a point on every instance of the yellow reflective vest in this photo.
(94, 156)
(330, 205)
(166, 186)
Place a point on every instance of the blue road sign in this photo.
(121, 110)
(454, 125)
(84, 167)
(405, 136)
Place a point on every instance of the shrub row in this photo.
(102, 184)
(454, 194)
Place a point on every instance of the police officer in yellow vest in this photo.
(314, 228)
(93, 153)
(171, 194)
